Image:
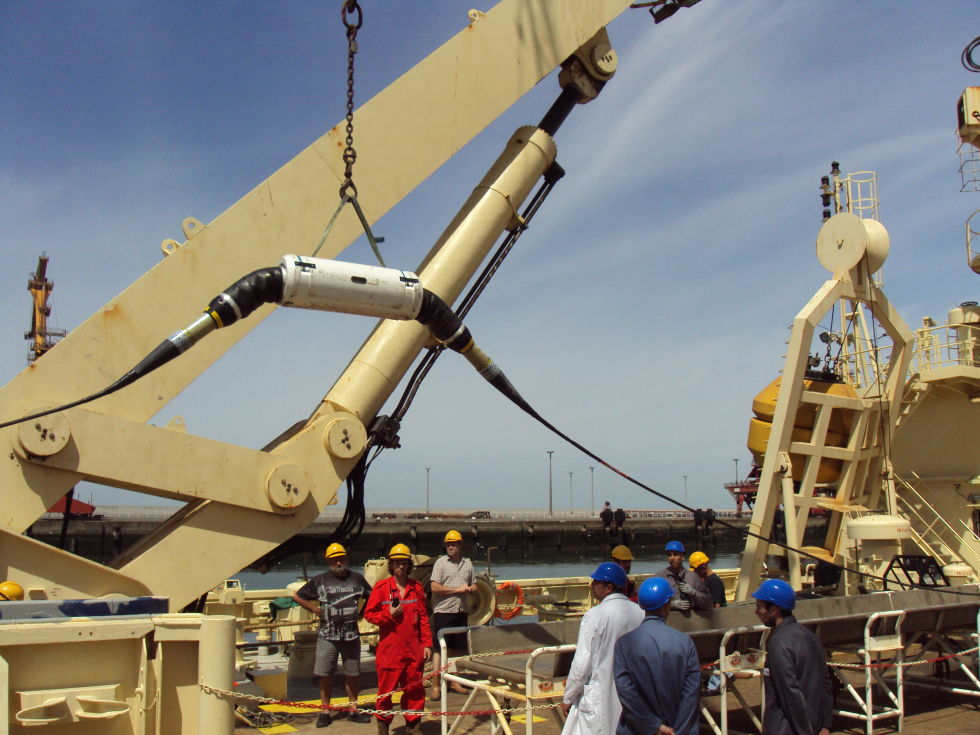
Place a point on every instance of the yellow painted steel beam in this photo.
(58, 574)
(360, 390)
(418, 122)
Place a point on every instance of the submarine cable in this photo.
(551, 177)
(498, 380)
(329, 285)
(383, 433)
(236, 302)
(301, 282)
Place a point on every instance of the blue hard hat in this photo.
(777, 592)
(675, 546)
(610, 571)
(654, 593)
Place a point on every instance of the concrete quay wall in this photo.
(103, 538)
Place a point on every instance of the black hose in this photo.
(501, 383)
(967, 58)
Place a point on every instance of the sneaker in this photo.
(324, 720)
(358, 716)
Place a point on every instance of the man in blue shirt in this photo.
(657, 673)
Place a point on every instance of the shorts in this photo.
(325, 663)
(454, 641)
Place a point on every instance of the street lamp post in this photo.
(427, 489)
(685, 489)
(592, 481)
(550, 452)
(735, 460)
(571, 502)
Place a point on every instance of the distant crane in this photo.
(42, 338)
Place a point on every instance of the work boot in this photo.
(414, 728)
(383, 727)
(324, 720)
(355, 715)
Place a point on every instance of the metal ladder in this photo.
(928, 526)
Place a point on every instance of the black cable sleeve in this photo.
(262, 286)
(443, 322)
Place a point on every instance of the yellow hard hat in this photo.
(400, 551)
(335, 549)
(452, 535)
(11, 591)
(622, 553)
(697, 559)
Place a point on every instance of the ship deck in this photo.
(926, 713)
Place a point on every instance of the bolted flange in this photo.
(287, 487)
(42, 437)
(345, 437)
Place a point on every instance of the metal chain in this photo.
(904, 664)
(208, 689)
(504, 710)
(353, 17)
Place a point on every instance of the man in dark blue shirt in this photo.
(799, 694)
(657, 673)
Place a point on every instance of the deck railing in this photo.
(949, 345)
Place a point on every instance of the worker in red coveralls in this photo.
(397, 607)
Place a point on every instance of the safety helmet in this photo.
(452, 535)
(333, 550)
(11, 591)
(610, 571)
(778, 592)
(400, 551)
(675, 546)
(697, 559)
(622, 553)
(654, 593)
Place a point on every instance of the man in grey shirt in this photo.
(452, 579)
(689, 591)
(335, 597)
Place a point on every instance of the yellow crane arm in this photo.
(247, 502)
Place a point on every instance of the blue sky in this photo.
(643, 310)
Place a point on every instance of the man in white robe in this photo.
(590, 701)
